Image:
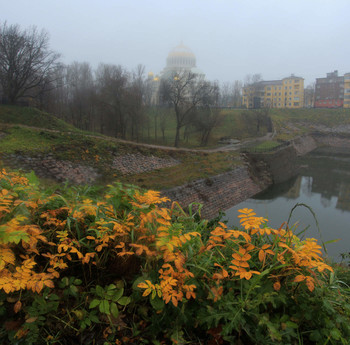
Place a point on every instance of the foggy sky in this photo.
(230, 38)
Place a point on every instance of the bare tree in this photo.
(134, 98)
(184, 91)
(309, 96)
(231, 94)
(208, 115)
(112, 82)
(252, 90)
(80, 92)
(26, 62)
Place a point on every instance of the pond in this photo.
(324, 185)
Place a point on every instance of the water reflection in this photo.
(324, 185)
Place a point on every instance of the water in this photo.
(324, 185)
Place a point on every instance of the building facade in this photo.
(347, 90)
(285, 93)
(329, 91)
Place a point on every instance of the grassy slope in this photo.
(241, 124)
(234, 125)
(292, 122)
(33, 117)
(71, 144)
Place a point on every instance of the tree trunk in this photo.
(177, 136)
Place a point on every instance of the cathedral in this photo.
(181, 58)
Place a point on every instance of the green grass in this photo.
(193, 166)
(32, 117)
(237, 123)
(265, 146)
(290, 123)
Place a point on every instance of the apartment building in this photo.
(347, 90)
(285, 93)
(329, 91)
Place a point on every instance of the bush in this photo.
(125, 270)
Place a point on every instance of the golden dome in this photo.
(181, 51)
(181, 57)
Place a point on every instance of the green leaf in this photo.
(335, 334)
(73, 290)
(120, 284)
(117, 295)
(157, 303)
(114, 310)
(32, 179)
(104, 307)
(94, 303)
(94, 318)
(100, 291)
(64, 282)
(124, 300)
(111, 287)
(291, 324)
(315, 336)
(78, 282)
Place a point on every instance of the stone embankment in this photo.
(220, 192)
(46, 166)
(139, 163)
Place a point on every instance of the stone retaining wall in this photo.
(47, 166)
(304, 145)
(219, 192)
(332, 140)
(281, 164)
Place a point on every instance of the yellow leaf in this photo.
(299, 278)
(277, 286)
(262, 255)
(310, 283)
(49, 283)
(17, 307)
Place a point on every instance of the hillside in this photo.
(56, 151)
(32, 117)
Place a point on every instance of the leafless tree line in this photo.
(109, 99)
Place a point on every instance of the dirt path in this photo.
(231, 147)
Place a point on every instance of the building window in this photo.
(268, 94)
(296, 104)
(296, 98)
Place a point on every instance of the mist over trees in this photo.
(109, 99)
